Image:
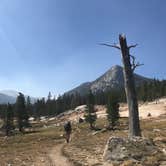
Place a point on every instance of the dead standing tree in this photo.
(128, 69)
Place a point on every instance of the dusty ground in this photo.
(23, 149)
(54, 157)
(144, 109)
(155, 109)
(57, 157)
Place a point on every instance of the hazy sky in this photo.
(52, 45)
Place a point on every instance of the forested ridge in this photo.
(148, 91)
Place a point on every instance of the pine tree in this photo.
(29, 106)
(22, 115)
(144, 95)
(112, 111)
(90, 115)
(9, 125)
(39, 108)
(49, 104)
(49, 96)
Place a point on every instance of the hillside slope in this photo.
(112, 79)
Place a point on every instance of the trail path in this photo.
(57, 157)
(53, 158)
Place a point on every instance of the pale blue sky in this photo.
(52, 45)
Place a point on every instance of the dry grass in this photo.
(87, 148)
(22, 149)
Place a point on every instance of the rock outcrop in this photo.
(134, 150)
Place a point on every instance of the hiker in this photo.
(67, 128)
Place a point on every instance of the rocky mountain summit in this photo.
(112, 79)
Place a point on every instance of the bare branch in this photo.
(132, 59)
(137, 65)
(132, 46)
(110, 45)
(134, 64)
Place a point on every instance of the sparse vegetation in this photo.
(25, 149)
(86, 146)
(89, 148)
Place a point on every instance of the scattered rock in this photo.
(57, 125)
(31, 119)
(42, 118)
(53, 118)
(149, 115)
(96, 132)
(99, 131)
(121, 149)
(81, 108)
(42, 160)
(156, 130)
(164, 151)
(160, 139)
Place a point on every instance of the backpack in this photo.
(67, 127)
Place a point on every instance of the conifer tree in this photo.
(112, 111)
(49, 96)
(22, 115)
(40, 108)
(50, 110)
(29, 106)
(9, 125)
(90, 115)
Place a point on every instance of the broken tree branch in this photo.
(132, 46)
(110, 45)
(134, 64)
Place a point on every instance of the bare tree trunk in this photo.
(134, 126)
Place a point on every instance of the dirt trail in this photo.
(57, 158)
(53, 158)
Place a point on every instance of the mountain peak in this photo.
(114, 70)
(112, 79)
(115, 67)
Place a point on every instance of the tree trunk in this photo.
(134, 126)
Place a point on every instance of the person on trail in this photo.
(68, 129)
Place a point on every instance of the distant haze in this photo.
(10, 96)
